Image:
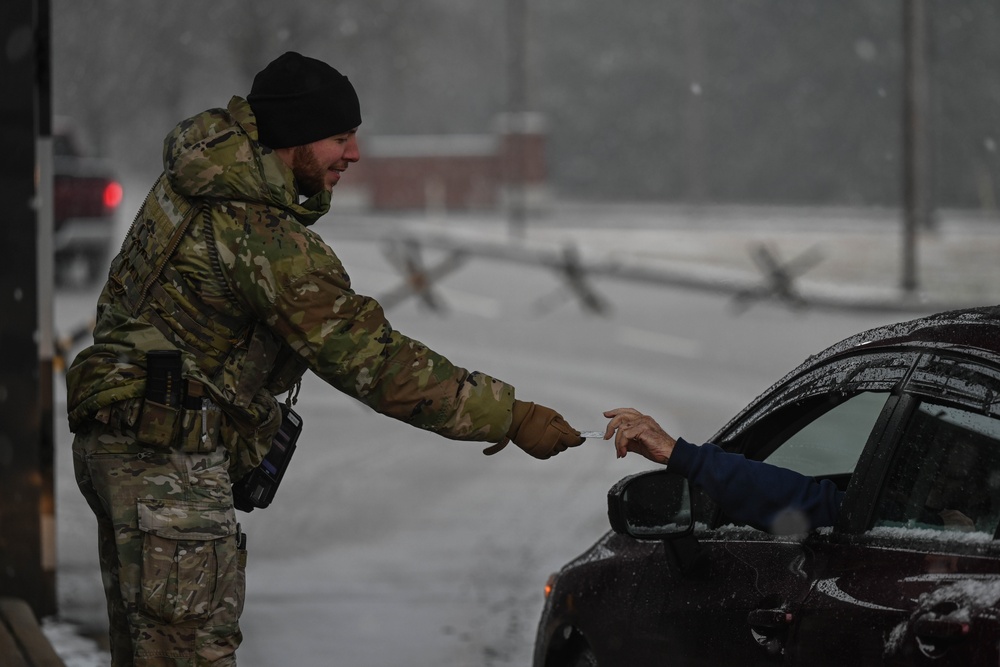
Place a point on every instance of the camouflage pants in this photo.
(171, 552)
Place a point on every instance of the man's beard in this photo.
(309, 175)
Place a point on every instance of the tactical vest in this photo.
(231, 360)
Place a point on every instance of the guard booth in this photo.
(27, 507)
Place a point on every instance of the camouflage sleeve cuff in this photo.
(482, 411)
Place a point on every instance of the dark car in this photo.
(906, 420)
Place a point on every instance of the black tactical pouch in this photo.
(159, 419)
(176, 413)
(258, 487)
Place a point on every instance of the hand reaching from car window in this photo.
(638, 433)
(955, 520)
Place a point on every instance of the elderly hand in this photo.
(638, 433)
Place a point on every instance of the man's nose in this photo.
(352, 153)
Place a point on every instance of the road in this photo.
(387, 545)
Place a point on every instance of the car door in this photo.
(912, 573)
(734, 608)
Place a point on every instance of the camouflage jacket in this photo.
(221, 265)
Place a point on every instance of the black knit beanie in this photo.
(298, 100)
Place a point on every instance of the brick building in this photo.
(452, 172)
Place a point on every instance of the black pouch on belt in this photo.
(160, 416)
(258, 487)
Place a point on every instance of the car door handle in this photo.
(769, 619)
(937, 628)
(769, 628)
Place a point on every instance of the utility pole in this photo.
(517, 106)
(916, 140)
(27, 505)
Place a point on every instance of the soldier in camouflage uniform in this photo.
(221, 265)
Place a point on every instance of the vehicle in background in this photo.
(86, 199)
(906, 420)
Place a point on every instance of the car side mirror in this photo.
(651, 506)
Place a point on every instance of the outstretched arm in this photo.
(752, 492)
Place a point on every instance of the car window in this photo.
(832, 442)
(945, 473)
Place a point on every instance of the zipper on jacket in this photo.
(119, 287)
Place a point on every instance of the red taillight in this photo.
(113, 194)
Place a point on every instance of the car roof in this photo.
(972, 331)
(969, 328)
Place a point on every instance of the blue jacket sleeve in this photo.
(754, 492)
